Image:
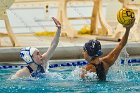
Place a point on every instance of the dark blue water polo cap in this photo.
(93, 48)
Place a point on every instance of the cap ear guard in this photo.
(99, 53)
(25, 55)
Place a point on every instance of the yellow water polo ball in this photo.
(125, 16)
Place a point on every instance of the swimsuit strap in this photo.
(36, 73)
(41, 69)
(30, 69)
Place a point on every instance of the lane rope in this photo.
(76, 63)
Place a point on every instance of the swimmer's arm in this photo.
(20, 74)
(16, 76)
(83, 73)
(87, 68)
(113, 55)
(47, 55)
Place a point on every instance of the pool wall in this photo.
(65, 52)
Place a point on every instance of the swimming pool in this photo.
(65, 78)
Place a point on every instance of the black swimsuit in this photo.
(100, 71)
(36, 73)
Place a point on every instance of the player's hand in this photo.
(57, 23)
(130, 25)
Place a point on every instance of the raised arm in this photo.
(113, 55)
(47, 55)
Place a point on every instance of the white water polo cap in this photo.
(26, 54)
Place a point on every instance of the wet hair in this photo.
(100, 71)
(93, 48)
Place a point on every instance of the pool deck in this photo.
(68, 48)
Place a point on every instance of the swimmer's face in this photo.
(85, 55)
(37, 57)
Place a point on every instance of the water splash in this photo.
(75, 74)
(121, 69)
(124, 56)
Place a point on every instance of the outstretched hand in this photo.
(57, 23)
(130, 25)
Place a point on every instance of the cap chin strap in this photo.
(32, 61)
(35, 62)
(99, 53)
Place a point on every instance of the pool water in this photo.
(124, 79)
